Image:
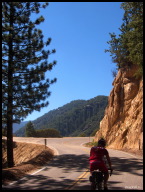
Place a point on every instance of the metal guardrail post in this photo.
(45, 143)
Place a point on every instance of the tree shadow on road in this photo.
(70, 162)
(64, 164)
(39, 182)
(131, 165)
(120, 166)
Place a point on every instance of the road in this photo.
(69, 168)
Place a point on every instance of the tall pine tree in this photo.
(127, 48)
(29, 130)
(24, 63)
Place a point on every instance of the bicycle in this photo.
(97, 179)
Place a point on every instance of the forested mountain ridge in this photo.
(17, 126)
(77, 118)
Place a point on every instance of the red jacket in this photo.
(97, 153)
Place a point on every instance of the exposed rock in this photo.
(122, 125)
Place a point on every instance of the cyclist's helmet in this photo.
(102, 142)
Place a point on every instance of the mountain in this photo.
(17, 126)
(77, 118)
(122, 125)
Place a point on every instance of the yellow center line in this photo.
(79, 179)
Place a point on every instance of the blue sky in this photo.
(79, 32)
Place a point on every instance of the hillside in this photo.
(79, 117)
(27, 158)
(17, 126)
(122, 125)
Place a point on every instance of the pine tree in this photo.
(134, 35)
(30, 131)
(24, 63)
(127, 49)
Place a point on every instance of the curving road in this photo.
(69, 168)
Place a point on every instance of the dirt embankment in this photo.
(27, 158)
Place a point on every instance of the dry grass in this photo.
(27, 158)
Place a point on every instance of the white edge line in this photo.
(55, 154)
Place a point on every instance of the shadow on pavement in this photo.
(70, 163)
(39, 182)
(131, 166)
(67, 164)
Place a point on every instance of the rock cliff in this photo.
(122, 125)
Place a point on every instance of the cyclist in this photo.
(96, 160)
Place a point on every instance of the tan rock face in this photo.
(122, 125)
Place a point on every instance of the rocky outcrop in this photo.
(122, 125)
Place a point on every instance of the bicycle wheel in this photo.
(100, 186)
(93, 186)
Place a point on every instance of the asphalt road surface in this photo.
(69, 170)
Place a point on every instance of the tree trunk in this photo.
(10, 159)
(10, 115)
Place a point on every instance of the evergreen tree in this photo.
(24, 63)
(30, 131)
(127, 48)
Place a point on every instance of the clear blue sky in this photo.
(79, 32)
